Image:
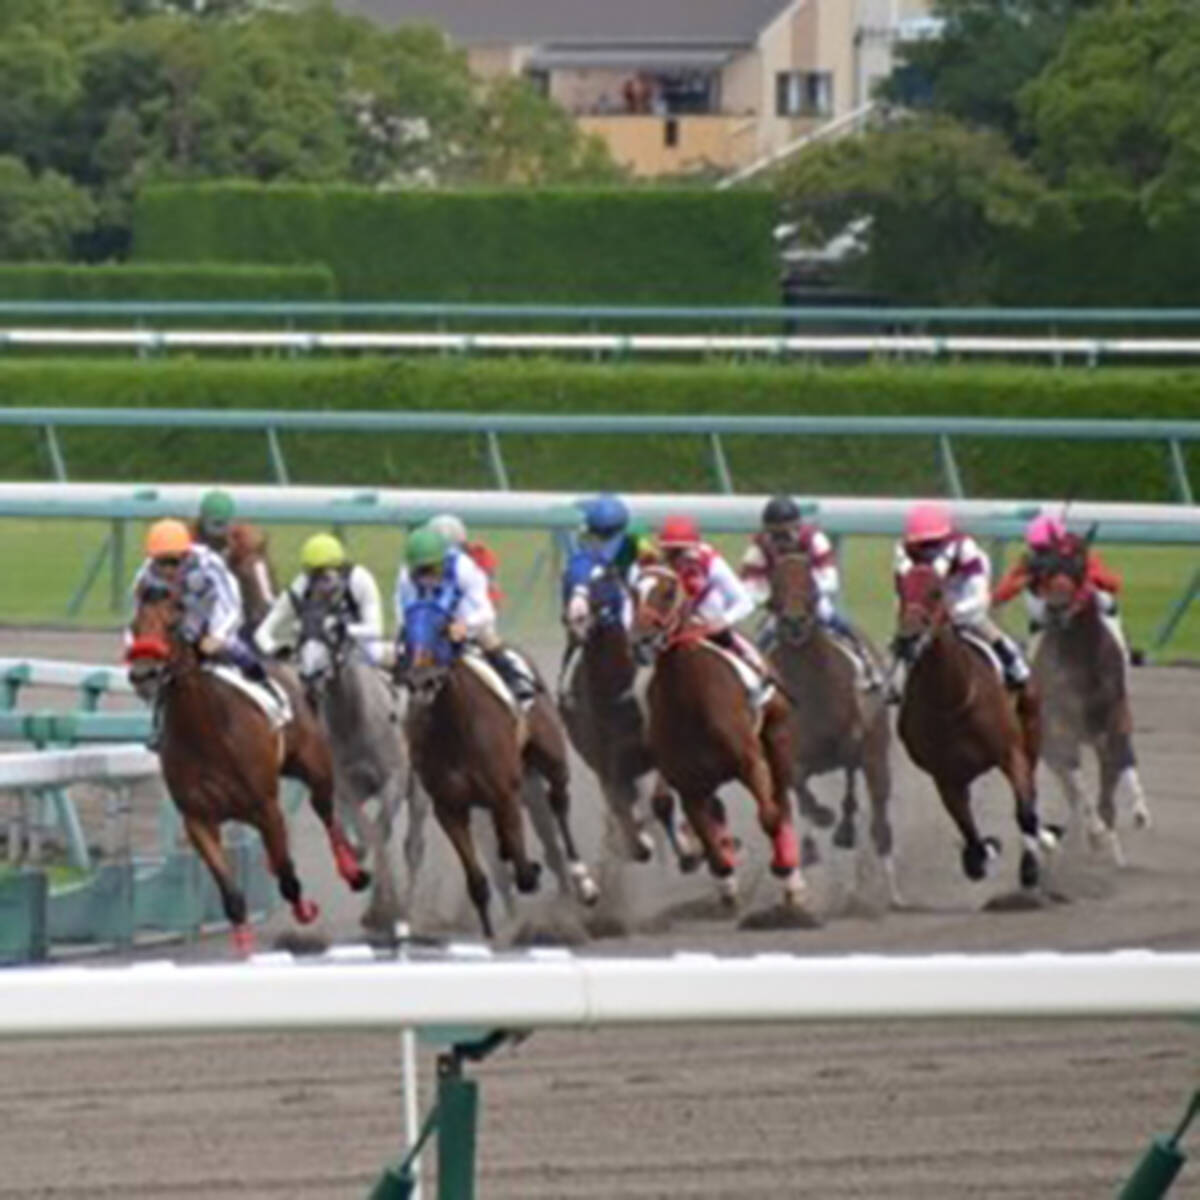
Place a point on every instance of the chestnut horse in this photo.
(471, 750)
(704, 731)
(601, 714)
(957, 722)
(835, 726)
(246, 553)
(1080, 669)
(222, 761)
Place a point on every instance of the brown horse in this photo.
(246, 554)
(1080, 669)
(601, 713)
(704, 731)
(835, 727)
(957, 722)
(470, 750)
(222, 760)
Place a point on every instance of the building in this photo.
(677, 86)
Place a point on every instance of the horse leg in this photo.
(620, 792)
(821, 816)
(844, 835)
(878, 775)
(1121, 750)
(662, 804)
(510, 836)
(455, 821)
(205, 836)
(976, 851)
(777, 752)
(275, 838)
(1110, 775)
(699, 809)
(533, 797)
(1019, 771)
(312, 763)
(414, 836)
(383, 910)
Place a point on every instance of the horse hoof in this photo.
(1141, 817)
(993, 847)
(1030, 872)
(794, 890)
(727, 890)
(819, 815)
(643, 847)
(974, 861)
(810, 853)
(242, 937)
(305, 911)
(360, 881)
(528, 879)
(843, 836)
(585, 885)
(689, 863)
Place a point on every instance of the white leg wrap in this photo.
(1141, 808)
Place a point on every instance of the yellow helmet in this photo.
(321, 552)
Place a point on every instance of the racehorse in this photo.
(704, 730)
(246, 554)
(601, 714)
(361, 715)
(1080, 669)
(956, 722)
(834, 725)
(222, 760)
(471, 749)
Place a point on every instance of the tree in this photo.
(39, 215)
(936, 198)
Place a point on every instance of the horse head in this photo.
(429, 653)
(793, 598)
(155, 647)
(324, 644)
(246, 553)
(1060, 575)
(659, 608)
(922, 611)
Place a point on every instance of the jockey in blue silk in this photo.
(436, 571)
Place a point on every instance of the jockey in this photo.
(718, 598)
(215, 518)
(455, 533)
(931, 539)
(434, 569)
(1045, 537)
(350, 589)
(784, 531)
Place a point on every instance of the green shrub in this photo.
(547, 246)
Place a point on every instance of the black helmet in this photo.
(780, 510)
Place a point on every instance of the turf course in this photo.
(46, 561)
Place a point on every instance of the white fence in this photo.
(60, 768)
(1087, 350)
(351, 989)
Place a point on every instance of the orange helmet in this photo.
(679, 533)
(168, 539)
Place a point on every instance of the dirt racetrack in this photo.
(974, 1109)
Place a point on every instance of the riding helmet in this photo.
(451, 528)
(425, 548)
(216, 508)
(322, 552)
(929, 521)
(606, 514)
(168, 539)
(679, 531)
(780, 510)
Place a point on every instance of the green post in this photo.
(1176, 612)
(458, 1111)
(90, 575)
(1162, 1162)
(116, 599)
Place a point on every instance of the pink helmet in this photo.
(929, 521)
(1043, 531)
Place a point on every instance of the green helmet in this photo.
(425, 547)
(216, 508)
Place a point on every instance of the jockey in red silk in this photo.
(1047, 536)
(930, 538)
(718, 598)
(785, 532)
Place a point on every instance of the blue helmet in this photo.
(606, 514)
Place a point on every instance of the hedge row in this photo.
(1130, 470)
(165, 281)
(639, 246)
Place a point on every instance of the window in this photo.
(803, 94)
(539, 80)
(671, 132)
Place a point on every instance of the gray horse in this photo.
(361, 714)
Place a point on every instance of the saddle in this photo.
(983, 648)
(475, 660)
(759, 686)
(272, 700)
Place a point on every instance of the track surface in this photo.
(998, 1109)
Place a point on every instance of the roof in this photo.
(533, 22)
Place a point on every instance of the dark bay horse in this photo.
(1080, 669)
(957, 722)
(835, 725)
(246, 553)
(222, 761)
(704, 732)
(470, 750)
(601, 713)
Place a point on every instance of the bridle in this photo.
(793, 627)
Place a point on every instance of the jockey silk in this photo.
(462, 591)
(212, 595)
(759, 560)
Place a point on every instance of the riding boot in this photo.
(872, 680)
(1016, 672)
(515, 679)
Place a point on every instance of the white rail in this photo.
(55, 673)
(59, 768)
(351, 990)
(1089, 350)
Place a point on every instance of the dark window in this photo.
(671, 132)
(803, 94)
(539, 80)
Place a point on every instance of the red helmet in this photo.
(679, 532)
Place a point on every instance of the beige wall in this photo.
(587, 91)
(491, 62)
(639, 142)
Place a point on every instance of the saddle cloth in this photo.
(475, 660)
(981, 646)
(861, 678)
(759, 689)
(274, 703)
